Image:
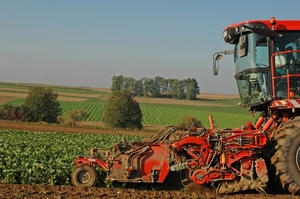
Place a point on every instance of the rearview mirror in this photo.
(216, 66)
(216, 58)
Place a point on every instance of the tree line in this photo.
(157, 87)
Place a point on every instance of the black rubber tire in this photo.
(286, 158)
(84, 176)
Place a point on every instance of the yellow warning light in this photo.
(272, 21)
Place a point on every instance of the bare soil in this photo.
(26, 191)
(13, 191)
(4, 99)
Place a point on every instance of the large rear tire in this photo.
(286, 158)
(84, 176)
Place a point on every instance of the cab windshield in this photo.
(252, 69)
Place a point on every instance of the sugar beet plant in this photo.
(46, 158)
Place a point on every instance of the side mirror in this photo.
(216, 57)
(216, 64)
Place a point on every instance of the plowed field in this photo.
(14, 191)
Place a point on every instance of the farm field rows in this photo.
(16, 145)
(226, 116)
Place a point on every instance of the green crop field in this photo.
(226, 116)
(159, 114)
(44, 157)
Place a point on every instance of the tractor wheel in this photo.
(286, 158)
(84, 176)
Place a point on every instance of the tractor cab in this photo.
(267, 61)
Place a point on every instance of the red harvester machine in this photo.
(267, 60)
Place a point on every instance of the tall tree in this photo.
(164, 86)
(129, 83)
(174, 88)
(122, 111)
(117, 83)
(156, 88)
(138, 89)
(181, 89)
(42, 105)
(192, 89)
(169, 83)
(147, 86)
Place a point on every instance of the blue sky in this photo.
(87, 42)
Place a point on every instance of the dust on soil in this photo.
(26, 191)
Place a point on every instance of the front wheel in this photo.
(287, 156)
(84, 176)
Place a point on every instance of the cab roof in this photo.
(280, 24)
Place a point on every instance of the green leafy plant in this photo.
(44, 157)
